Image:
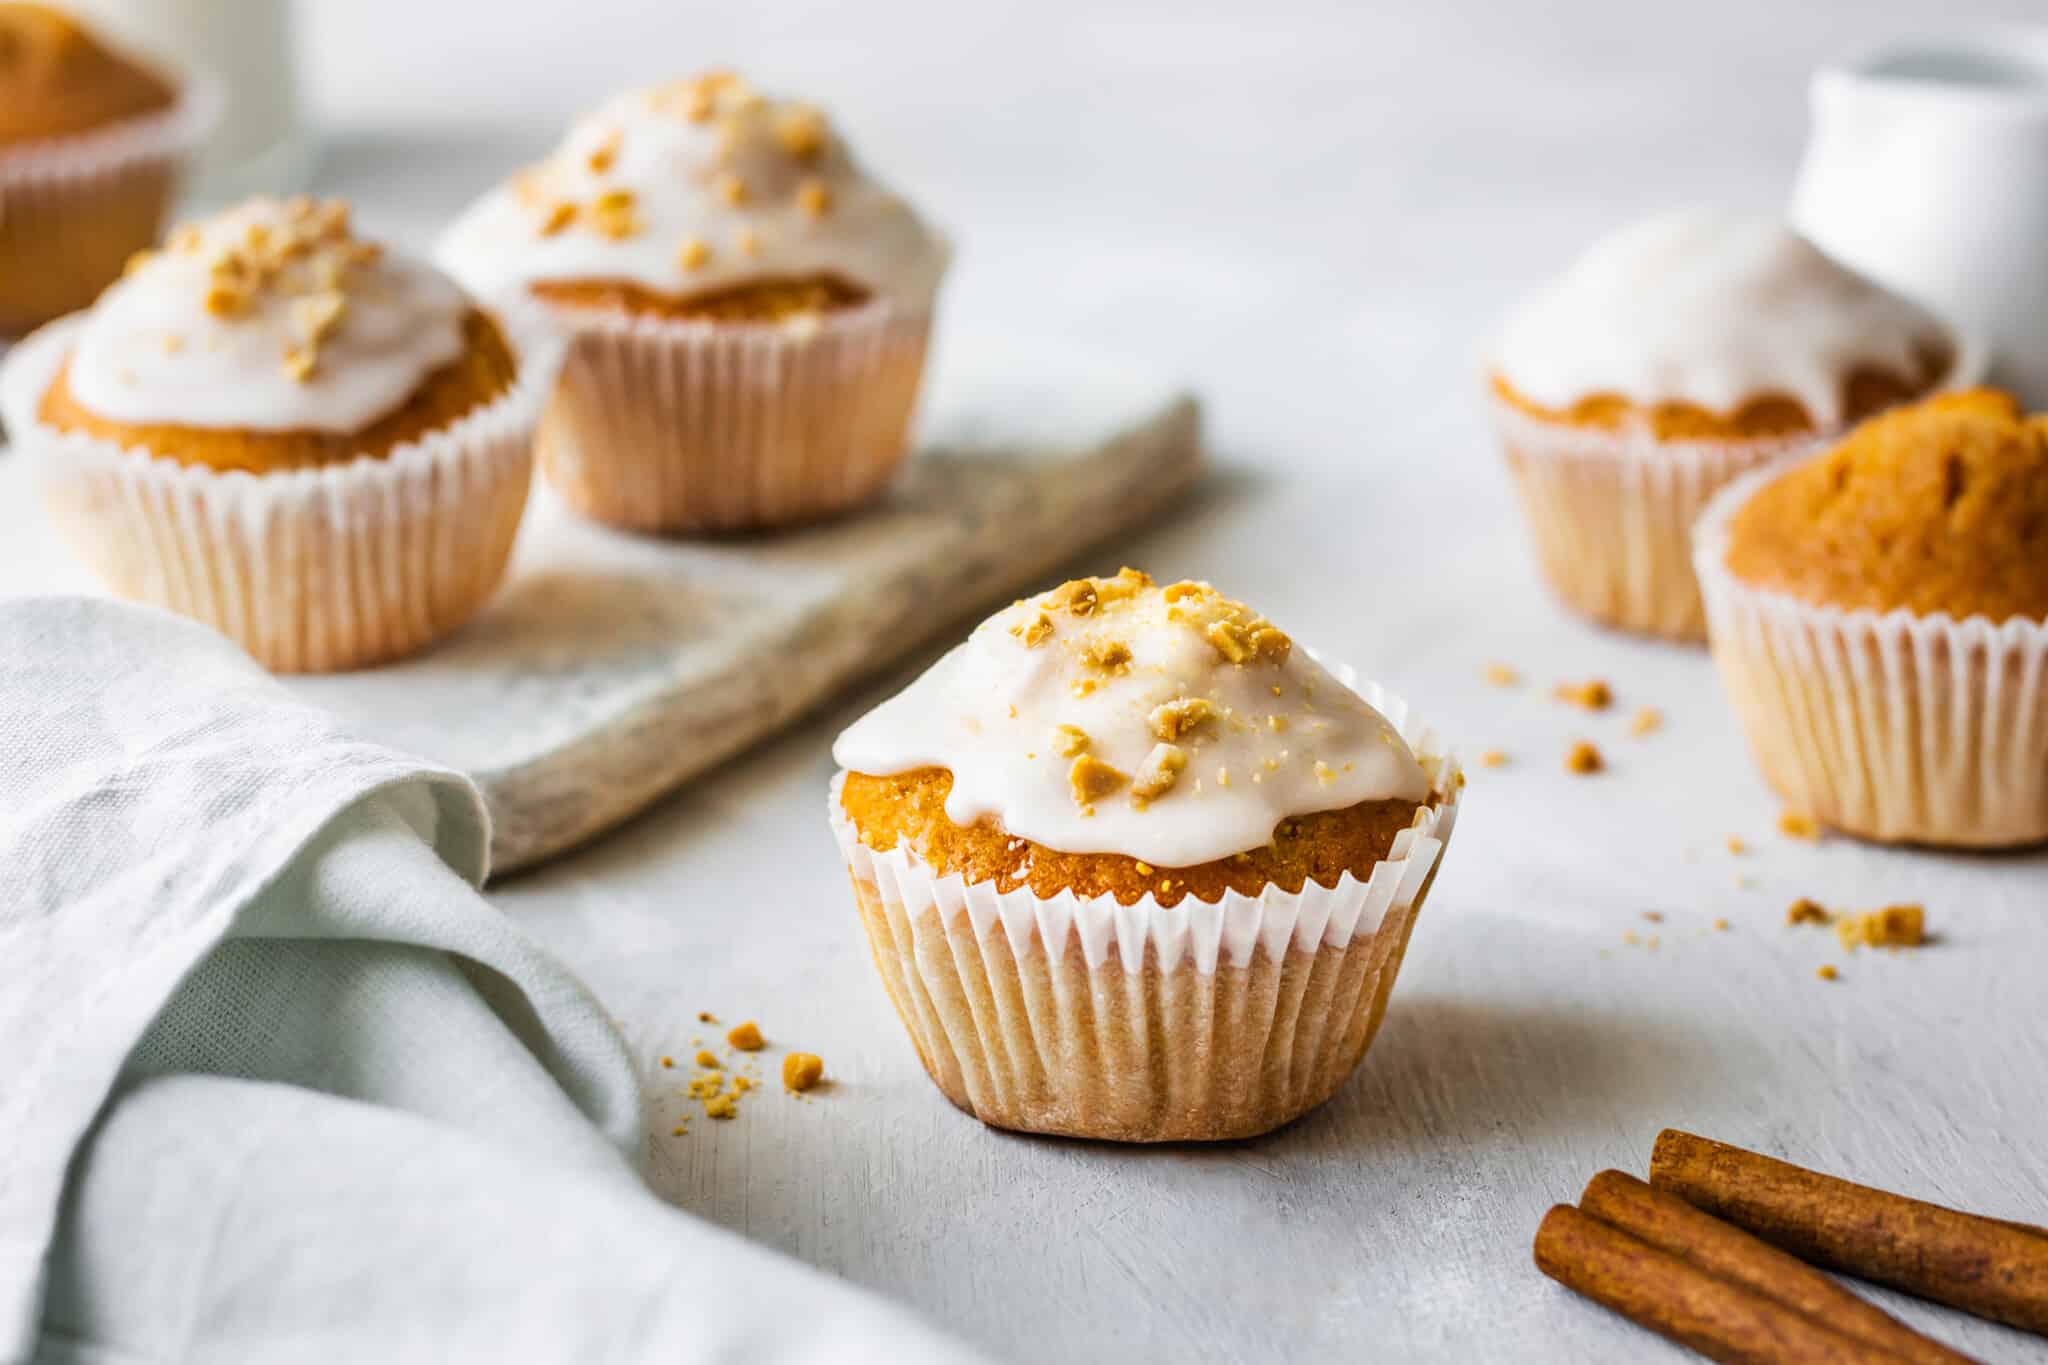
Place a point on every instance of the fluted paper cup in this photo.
(309, 570)
(688, 425)
(74, 209)
(1891, 726)
(1146, 1023)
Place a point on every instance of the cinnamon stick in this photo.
(1683, 1303)
(1671, 1225)
(1994, 1269)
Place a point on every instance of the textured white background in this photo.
(1313, 212)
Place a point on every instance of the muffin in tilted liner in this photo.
(316, 446)
(1879, 616)
(1134, 867)
(1674, 356)
(91, 146)
(748, 308)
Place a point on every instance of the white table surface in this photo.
(1313, 213)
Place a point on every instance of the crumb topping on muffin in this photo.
(1708, 324)
(57, 80)
(1112, 715)
(271, 316)
(694, 189)
(1938, 507)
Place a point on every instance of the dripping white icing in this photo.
(1711, 308)
(1285, 738)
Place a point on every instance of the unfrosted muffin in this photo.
(748, 308)
(317, 446)
(90, 145)
(1132, 866)
(1672, 357)
(1879, 614)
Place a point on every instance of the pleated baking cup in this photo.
(309, 570)
(1611, 513)
(704, 426)
(1892, 726)
(1143, 1022)
(74, 209)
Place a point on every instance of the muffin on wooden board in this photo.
(91, 143)
(1674, 356)
(748, 307)
(1134, 867)
(317, 446)
(1879, 615)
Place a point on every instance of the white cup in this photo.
(1927, 168)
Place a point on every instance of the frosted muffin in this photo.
(317, 446)
(90, 146)
(1134, 867)
(1879, 614)
(748, 308)
(1672, 357)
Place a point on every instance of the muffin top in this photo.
(272, 317)
(57, 80)
(1114, 716)
(691, 191)
(1706, 323)
(1941, 506)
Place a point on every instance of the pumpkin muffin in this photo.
(1674, 356)
(91, 143)
(1132, 866)
(317, 446)
(1879, 614)
(746, 308)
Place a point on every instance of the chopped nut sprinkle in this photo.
(557, 217)
(746, 1037)
(300, 362)
(1181, 716)
(1583, 758)
(802, 1070)
(1070, 741)
(615, 214)
(1034, 632)
(1111, 656)
(732, 188)
(605, 153)
(1160, 770)
(1895, 926)
(693, 254)
(1325, 774)
(1593, 695)
(801, 131)
(747, 242)
(814, 197)
(1091, 779)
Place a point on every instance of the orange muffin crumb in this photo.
(1938, 507)
(57, 80)
(802, 1070)
(910, 808)
(771, 300)
(1806, 910)
(746, 1037)
(1826, 972)
(1592, 695)
(1895, 926)
(1583, 758)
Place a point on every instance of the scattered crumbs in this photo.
(1583, 758)
(746, 1037)
(1736, 846)
(705, 1087)
(802, 1070)
(1654, 916)
(1593, 694)
(1493, 758)
(1806, 910)
(1895, 926)
(1721, 925)
(679, 1130)
(1652, 943)
(668, 1062)
(1794, 825)
(721, 1107)
(742, 1084)
(1502, 675)
(1631, 938)
(706, 1060)
(706, 1017)
(1826, 972)
(1646, 721)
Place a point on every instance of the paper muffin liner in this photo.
(1611, 513)
(698, 425)
(309, 570)
(1892, 726)
(74, 209)
(1147, 1023)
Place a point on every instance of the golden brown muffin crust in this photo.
(1937, 507)
(1865, 393)
(910, 809)
(771, 300)
(485, 370)
(56, 80)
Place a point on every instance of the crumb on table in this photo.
(1806, 910)
(1895, 926)
(746, 1037)
(1502, 675)
(1646, 721)
(1826, 972)
(1583, 758)
(1796, 825)
(1593, 694)
(802, 1070)
(1493, 758)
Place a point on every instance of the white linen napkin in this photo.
(277, 1084)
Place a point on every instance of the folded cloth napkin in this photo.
(277, 1084)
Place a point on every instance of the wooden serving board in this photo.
(612, 667)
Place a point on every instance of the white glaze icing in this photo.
(991, 713)
(727, 181)
(151, 352)
(1712, 308)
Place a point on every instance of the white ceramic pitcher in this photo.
(1927, 168)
